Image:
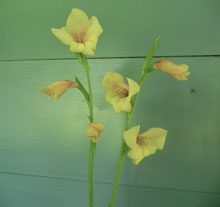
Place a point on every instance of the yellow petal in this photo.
(114, 102)
(62, 35)
(136, 155)
(124, 104)
(118, 104)
(110, 79)
(91, 42)
(94, 131)
(130, 136)
(77, 22)
(77, 47)
(88, 51)
(155, 137)
(91, 36)
(133, 87)
(111, 97)
(148, 151)
(94, 30)
(58, 88)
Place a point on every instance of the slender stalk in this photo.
(91, 161)
(91, 119)
(124, 147)
(117, 176)
(87, 69)
(123, 152)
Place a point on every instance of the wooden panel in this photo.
(186, 27)
(44, 137)
(23, 191)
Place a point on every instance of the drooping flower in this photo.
(94, 131)
(144, 144)
(119, 93)
(80, 32)
(58, 88)
(178, 71)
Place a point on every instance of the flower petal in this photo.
(133, 87)
(117, 103)
(77, 47)
(156, 137)
(77, 22)
(62, 35)
(124, 104)
(136, 155)
(147, 152)
(94, 30)
(130, 136)
(110, 78)
(114, 102)
(88, 51)
(91, 42)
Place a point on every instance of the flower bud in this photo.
(178, 71)
(94, 131)
(58, 88)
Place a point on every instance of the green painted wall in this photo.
(43, 146)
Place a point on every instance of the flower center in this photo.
(140, 140)
(79, 37)
(121, 89)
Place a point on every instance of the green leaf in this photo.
(82, 89)
(89, 117)
(145, 68)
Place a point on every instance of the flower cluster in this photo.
(119, 94)
(81, 34)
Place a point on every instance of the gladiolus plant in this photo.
(81, 35)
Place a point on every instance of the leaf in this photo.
(82, 89)
(145, 68)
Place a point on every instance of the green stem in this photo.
(146, 69)
(117, 176)
(91, 161)
(124, 147)
(87, 69)
(123, 152)
(91, 119)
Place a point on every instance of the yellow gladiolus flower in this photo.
(80, 32)
(145, 144)
(94, 131)
(119, 93)
(178, 71)
(58, 88)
